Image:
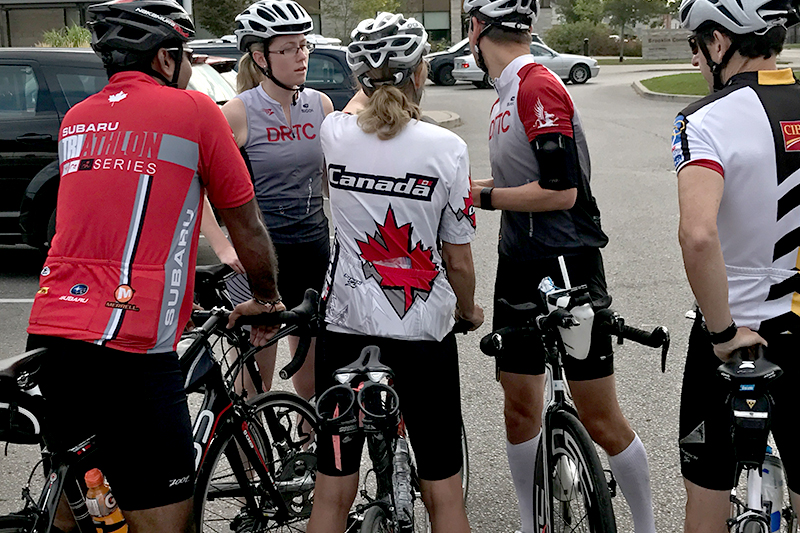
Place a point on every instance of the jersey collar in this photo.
(509, 73)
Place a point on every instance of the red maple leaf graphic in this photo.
(399, 265)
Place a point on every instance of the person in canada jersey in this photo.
(540, 181)
(397, 187)
(136, 161)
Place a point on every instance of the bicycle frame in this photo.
(556, 400)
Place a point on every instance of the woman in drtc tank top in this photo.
(275, 121)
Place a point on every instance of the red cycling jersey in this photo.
(135, 160)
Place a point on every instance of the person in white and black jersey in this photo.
(737, 154)
(397, 186)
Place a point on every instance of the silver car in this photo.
(570, 67)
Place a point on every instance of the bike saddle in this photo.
(212, 273)
(13, 367)
(749, 370)
(368, 362)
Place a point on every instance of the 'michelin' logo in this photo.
(791, 135)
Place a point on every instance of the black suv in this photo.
(327, 67)
(37, 87)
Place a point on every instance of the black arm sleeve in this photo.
(557, 155)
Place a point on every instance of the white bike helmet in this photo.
(737, 16)
(268, 18)
(388, 39)
(515, 14)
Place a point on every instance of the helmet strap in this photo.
(268, 73)
(717, 68)
(178, 59)
(479, 57)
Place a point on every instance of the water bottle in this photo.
(401, 479)
(102, 505)
(772, 488)
(577, 339)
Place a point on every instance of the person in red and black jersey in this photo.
(737, 154)
(136, 161)
(540, 181)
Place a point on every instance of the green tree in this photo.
(626, 13)
(217, 16)
(369, 8)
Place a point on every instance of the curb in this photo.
(445, 119)
(644, 92)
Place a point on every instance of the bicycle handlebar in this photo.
(301, 321)
(610, 321)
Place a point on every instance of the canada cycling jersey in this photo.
(749, 132)
(390, 203)
(533, 101)
(135, 159)
(287, 164)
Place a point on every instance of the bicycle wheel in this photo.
(579, 495)
(376, 521)
(464, 472)
(284, 428)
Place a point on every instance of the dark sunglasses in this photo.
(188, 52)
(692, 43)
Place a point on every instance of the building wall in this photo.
(23, 24)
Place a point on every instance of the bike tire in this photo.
(15, 524)
(753, 526)
(464, 472)
(376, 521)
(579, 497)
(289, 424)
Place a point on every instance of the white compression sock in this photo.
(522, 461)
(633, 475)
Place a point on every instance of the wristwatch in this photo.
(723, 336)
(486, 198)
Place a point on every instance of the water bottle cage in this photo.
(751, 417)
(380, 406)
(337, 411)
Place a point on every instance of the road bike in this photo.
(749, 375)
(571, 491)
(365, 401)
(254, 457)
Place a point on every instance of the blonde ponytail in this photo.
(249, 74)
(388, 111)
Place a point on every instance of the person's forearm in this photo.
(526, 198)
(705, 269)
(211, 230)
(483, 183)
(254, 246)
(532, 198)
(461, 274)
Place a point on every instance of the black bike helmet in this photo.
(127, 32)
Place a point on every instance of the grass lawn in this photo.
(640, 61)
(685, 83)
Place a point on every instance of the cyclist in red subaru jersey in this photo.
(136, 160)
(540, 180)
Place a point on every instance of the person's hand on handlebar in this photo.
(744, 337)
(475, 317)
(259, 335)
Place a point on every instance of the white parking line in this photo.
(16, 300)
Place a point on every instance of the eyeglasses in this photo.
(187, 52)
(692, 43)
(294, 50)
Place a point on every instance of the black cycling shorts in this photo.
(706, 446)
(136, 406)
(427, 383)
(517, 282)
(301, 266)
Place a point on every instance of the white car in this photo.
(570, 67)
